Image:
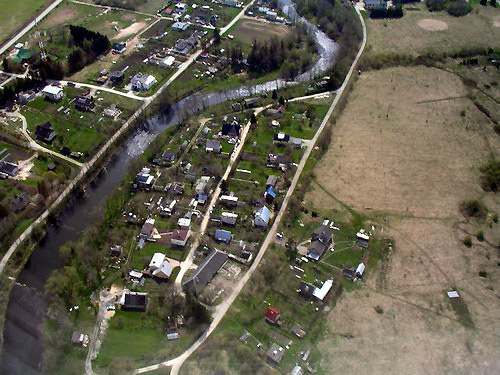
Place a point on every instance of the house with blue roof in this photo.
(270, 194)
(222, 235)
(262, 217)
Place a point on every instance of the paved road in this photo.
(28, 27)
(221, 309)
(36, 146)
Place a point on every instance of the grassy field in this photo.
(15, 13)
(422, 31)
(406, 151)
(247, 31)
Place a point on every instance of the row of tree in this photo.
(392, 12)
(90, 44)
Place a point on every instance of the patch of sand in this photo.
(131, 30)
(432, 25)
(25, 168)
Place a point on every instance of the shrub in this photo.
(473, 208)
(379, 309)
(480, 236)
(490, 175)
(468, 241)
(436, 5)
(459, 8)
(495, 218)
(483, 273)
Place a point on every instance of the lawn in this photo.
(15, 13)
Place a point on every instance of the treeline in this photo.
(90, 45)
(292, 55)
(10, 91)
(392, 12)
(456, 8)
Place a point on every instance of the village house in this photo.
(142, 82)
(20, 202)
(231, 129)
(26, 96)
(166, 158)
(184, 223)
(229, 218)
(270, 195)
(321, 239)
(251, 102)
(180, 26)
(230, 3)
(213, 146)
(281, 138)
(167, 62)
(182, 47)
(262, 217)
(8, 168)
(278, 160)
(117, 76)
(53, 93)
(203, 185)
(84, 103)
(168, 208)
(179, 237)
(271, 182)
(148, 230)
(375, 4)
(297, 370)
(45, 133)
(79, 339)
(144, 180)
(205, 272)
(275, 354)
(222, 235)
(133, 301)
(160, 267)
(229, 200)
(118, 47)
(272, 315)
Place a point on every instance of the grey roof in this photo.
(214, 145)
(323, 234)
(205, 271)
(316, 249)
(272, 181)
(275, 353)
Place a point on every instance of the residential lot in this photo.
(421, 31)
(383, 162)
(79, 130)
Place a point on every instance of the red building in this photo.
(272, 315)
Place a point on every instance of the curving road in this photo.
(221, 310)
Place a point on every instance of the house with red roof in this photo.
(179, 237)
(272, 315)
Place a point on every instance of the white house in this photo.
(142, 82)
(184, 223)
(167, 62)
(262, 217)
(179, 237)
(53, 93)
(156, 261)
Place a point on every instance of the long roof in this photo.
(206, 271)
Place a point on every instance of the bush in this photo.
(483, 273)
(459, 8)
(468, 241)
(480, 236)
(436, 5)
(473, 208)
(490, 175)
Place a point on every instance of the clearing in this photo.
(407, 149)
(422, 31)
(247, 31)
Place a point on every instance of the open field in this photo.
(250, 30)
(15, 13)
(407, 148)
(422, 31)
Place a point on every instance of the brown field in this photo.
(402, 149)
(250, 30)
(422, 31)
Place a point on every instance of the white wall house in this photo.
(53, 92)
(142, 82)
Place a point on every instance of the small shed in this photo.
(272, 315)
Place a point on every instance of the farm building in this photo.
(205, 271)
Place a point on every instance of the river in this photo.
(23, 347)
